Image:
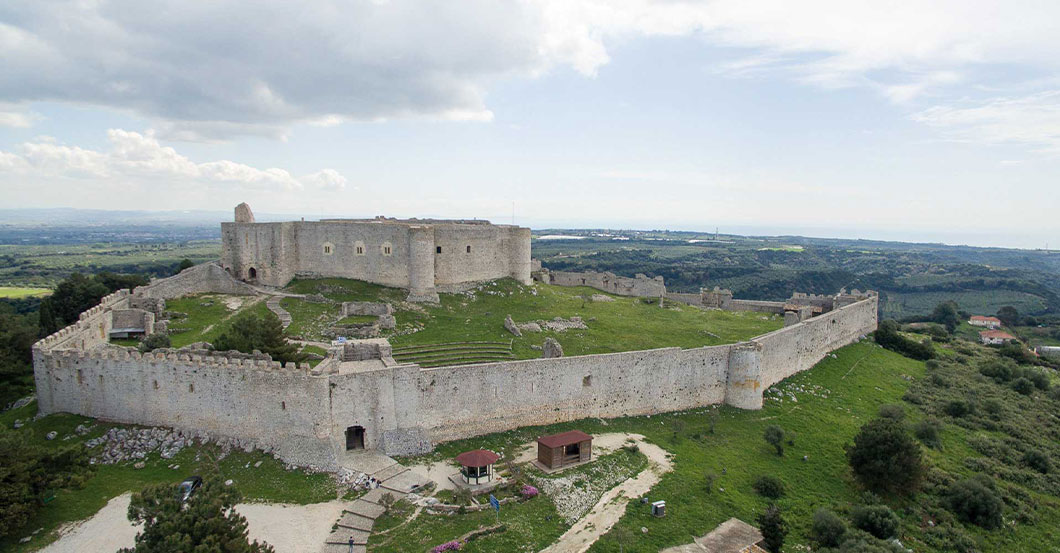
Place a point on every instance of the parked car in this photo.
(189, 486)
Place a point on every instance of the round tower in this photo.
(421, 264)
(519, 262)
(743, 387)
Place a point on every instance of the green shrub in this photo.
(892, 411)
(1023, 386)
(774, 436)
(885, 458)
(927, 431)
(998, 369)
(769, 486)
(957, 408)
(993, 407)
(1038, 461)
(887, 335)
(828, 529)
(974, 500)
(878, 520)
(153, 342)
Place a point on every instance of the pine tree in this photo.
(206, 523)
(773, 528)
(265, 334)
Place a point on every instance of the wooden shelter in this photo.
(476, 467)
(565, 448)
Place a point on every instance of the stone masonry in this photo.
(424, 256)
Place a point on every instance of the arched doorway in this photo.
(252, 273)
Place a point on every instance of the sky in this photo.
(921, 121)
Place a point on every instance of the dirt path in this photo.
(288, 528)
(612, 505)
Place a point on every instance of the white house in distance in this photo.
(995, 337)
(988, 322)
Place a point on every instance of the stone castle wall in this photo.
(302, 415)
(639, 286)
(422, 257)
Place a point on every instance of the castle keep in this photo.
(425, 256)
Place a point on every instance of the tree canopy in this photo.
(265, 334)
(29, 472)
(885, 458)
(206, 523)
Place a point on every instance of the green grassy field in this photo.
(269, 482)
(822, 409)
(46, 265)
(624, 324)
(208, 316)
(15, 292)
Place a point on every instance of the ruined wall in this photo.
(758, 306)
(133, 318)
(200, 279)
(639, 286)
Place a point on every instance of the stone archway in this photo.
(252, 273)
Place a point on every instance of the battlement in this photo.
(638, 286)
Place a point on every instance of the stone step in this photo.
(376, 495)
(365, 509)
(389, 472)
(342, 535)
(357, 522)
(336, 548)
(405, 482)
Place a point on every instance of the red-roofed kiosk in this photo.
(476, 467)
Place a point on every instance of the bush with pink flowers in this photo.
(528, 491)
(448, 546)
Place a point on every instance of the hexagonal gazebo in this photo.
(476, 467)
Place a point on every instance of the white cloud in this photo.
(1032, 120)
(208, 70)
(139, 159)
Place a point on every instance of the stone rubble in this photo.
(551, 348)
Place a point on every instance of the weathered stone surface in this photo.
(244, 214)
(509, 324)
(551, 349)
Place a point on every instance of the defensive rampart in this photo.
(304, 415)
(638, 286)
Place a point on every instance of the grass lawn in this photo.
(207, 317)
(624, 324)
(269, 482)
(16, 292)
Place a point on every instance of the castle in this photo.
(359, 397)
(425, 256)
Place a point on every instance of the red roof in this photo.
(986, 319)
(477, 458)
(996, 334)
(564, 438)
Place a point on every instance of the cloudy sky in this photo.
(880, 119)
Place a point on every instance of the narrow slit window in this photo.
(469, 249)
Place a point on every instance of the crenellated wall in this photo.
(303, 414)
(639, 286)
